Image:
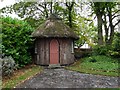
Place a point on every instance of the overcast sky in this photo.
(4, 3)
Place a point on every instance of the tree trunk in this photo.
(111, 28)
(70, 7)
(70, 18)
(106, 29)
(45, 9)
(51, 7)
(100, 36)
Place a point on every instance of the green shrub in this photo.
(99, 64)
(16, 40)
(8, 66)
(99, 58)
(101, 50)
(109, 50)
(116, 46)
(92, 59)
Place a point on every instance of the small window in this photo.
(72, 47)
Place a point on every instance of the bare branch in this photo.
(117, 23)
(41, 5)
(115, 12)
(67, 4)
(39, 9)
(72, 4)
(115, 16)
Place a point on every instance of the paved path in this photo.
(61, 78)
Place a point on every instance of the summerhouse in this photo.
(54, 42)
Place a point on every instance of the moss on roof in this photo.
(54, 27)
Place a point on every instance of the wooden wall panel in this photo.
(37, 56)
(66, 56)
(43, 51)
(46, 51)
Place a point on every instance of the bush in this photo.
(8, 66)
(116, 46)
(16, 40)
(101, 50)
(100, 58)
(109, 50)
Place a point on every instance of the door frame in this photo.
(58, 49)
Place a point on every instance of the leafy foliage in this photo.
(83, 26)
(100, 50)
(102, 63)
(116, 43)
(36, 12)
(8, 66)
(16, 40)
(107, 13)
(109, 50)
(99, 64)
(116, 46)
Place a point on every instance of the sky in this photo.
(4, 3)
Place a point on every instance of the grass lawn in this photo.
(20, 76)
(101, 65)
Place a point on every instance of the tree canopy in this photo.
(106, 13)
(16, 40)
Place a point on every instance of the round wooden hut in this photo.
(54, 42)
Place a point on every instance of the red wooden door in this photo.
(54, 52)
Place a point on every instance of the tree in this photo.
(32, 12)
(70, 6)
(86, 30)
(16, 40)
(35, 13)
(111, 12)
(98, 8)
(104, 10)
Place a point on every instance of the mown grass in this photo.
(101, 65)
(21, 76)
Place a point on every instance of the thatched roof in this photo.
(54, 27)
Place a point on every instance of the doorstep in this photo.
(55, 66)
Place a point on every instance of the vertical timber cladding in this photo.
(69, 51)
(72, 59)
(62, 51)
(39, 50)
(43, 48)
(66, 56)
(37, 53)
(47, 51)
(65, 51)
